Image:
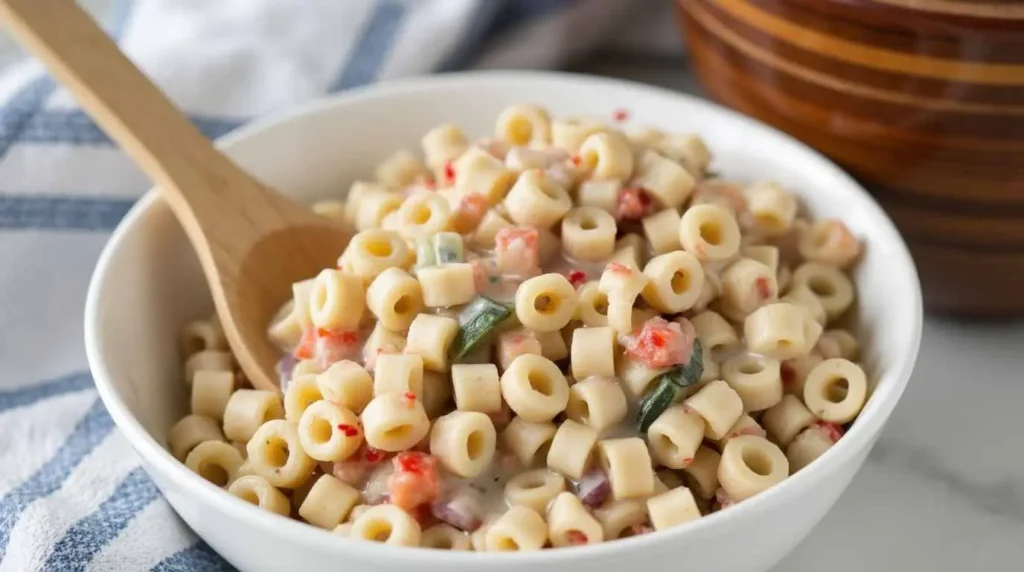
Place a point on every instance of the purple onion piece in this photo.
(462, 510)
(284, 368)
(593, 489)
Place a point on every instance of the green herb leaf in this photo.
(670, 387)
(477, 321)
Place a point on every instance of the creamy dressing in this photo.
(417, 481)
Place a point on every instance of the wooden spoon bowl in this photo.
(252, 242)
(922, 100)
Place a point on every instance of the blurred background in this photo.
(922, 99)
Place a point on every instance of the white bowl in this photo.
(148, 284)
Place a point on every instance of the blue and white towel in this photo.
(72, 493)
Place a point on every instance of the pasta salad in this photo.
(565, 334)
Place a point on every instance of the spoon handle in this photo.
(194, 177)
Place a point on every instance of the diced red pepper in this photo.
(576, 160)
(410, 399)
(413, 462)
(338, 336)
(634, 203)
(576, 538)
(764, 288)
(449, 173)
(620, 115)
(306, 346)
(335, 345)
(373, 455)
(831, 431)
(469, 213)
(577, 277)
(415, 480)
(423, 514)
(518, 251)
(617, 268)
(354, 470)
(473, 205)
(660, 344)
(839, 235)
(348, 430)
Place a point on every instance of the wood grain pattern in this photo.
(252, 242)
(923, 100)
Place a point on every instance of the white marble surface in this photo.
(943, 489)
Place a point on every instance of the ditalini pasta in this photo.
(561, 335)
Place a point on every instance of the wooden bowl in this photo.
(923, 100)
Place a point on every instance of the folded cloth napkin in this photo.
(72, 493)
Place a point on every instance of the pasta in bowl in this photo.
(567, 332)
(452, 349)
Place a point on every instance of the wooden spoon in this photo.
(252, 242)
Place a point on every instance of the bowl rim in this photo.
(157, 457)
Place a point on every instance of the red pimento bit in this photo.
(340, 336)
(577, 277)
(576, 538)
(334, 345)
(449, 173)
(348, 430)
(831, 431)
(517, 251)
(575, 160)
(373, 455)
(410, 399)
(620, 115)
(633, 203)
(617, 268)
(307, 343)
(660, 343)
(424, 515)
(415, 480)
(764, 288)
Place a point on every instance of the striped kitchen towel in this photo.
(72, 493)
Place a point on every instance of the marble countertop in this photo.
(943, 489)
